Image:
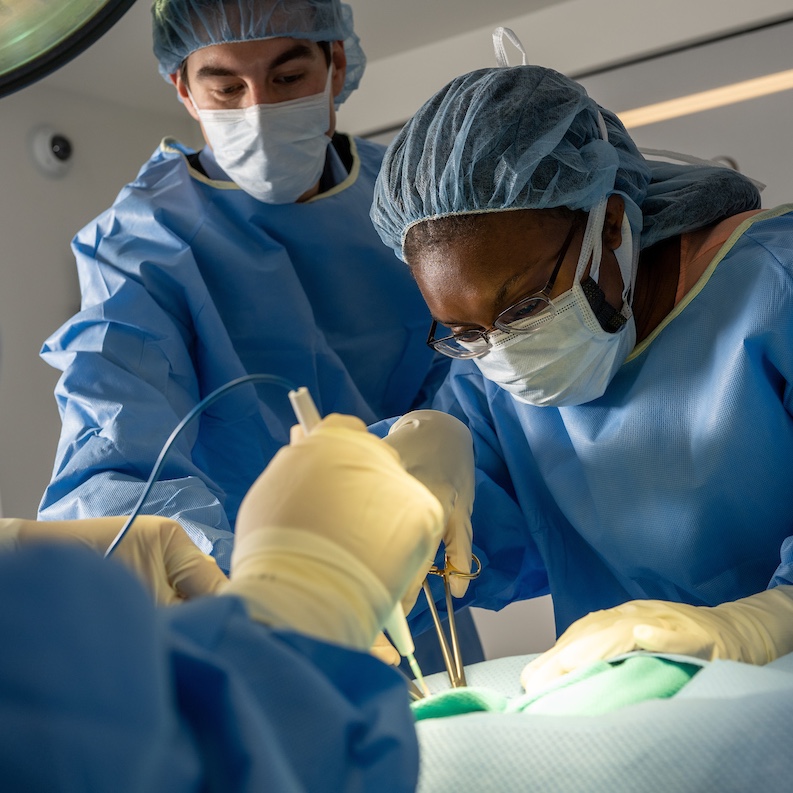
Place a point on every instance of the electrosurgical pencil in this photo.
(396, 625)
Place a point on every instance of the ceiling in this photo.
(120, 67)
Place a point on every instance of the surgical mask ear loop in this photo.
(192, 101)
(502, 60)
(593, 236)
(628, 272)
(592, 245)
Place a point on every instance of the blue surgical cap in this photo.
(181, 27)
(527, 137)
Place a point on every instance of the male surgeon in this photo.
(253, 255)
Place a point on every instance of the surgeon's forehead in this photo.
(235, 57)
(476, 232)
(491, 260)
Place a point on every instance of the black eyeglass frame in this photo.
(538, 299)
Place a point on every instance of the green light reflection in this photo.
(31, 28)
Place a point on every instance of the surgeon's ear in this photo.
(612, 225)
(181, 89)
(338, 58)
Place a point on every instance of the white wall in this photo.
(574, 37)
(38, 283)
(755, 133)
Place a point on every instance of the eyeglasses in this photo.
(475, 343)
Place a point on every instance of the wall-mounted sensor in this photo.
(51, 151)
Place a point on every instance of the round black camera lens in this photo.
(61, 147)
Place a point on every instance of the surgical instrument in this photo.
(396, 625)
(451, 657)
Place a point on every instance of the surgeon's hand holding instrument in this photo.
(754, 630)
(396, 625)
(365, 480)
(438, 450)
(329, 537)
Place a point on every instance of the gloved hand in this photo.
(755, 630)
(438, 450)
(329, 536)
(385, 651)
(156, 549)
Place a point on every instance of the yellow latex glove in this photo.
(330, 535)
(438, 450)
(385, 651)
(157, 550)
(755, 630)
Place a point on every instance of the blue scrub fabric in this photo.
(101, 691)
(187, 283)
(675, 484)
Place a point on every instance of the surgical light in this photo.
(39, 36)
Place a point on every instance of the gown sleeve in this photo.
(129, 376)
(99, 690)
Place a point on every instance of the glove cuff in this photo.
(10, 529)
(296, 579)
(763, 622)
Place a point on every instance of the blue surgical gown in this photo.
(187, 283)
(100, 691)
(677, 483)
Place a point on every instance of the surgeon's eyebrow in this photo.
(511, 281)
(295, 52)
(498, 301)
(213, 71)
(506, 286)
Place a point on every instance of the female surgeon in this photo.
(622, 336)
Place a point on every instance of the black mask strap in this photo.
(609, 318)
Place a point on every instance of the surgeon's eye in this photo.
(226, 92)
(526, 309)
(468, 336)
(289, 79)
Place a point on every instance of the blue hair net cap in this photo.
(524, 137)
(181, 27)
(527, 137)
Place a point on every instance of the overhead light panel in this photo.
(707, 100)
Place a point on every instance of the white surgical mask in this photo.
(568, 359)
(274, 152)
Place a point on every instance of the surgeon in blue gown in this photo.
(255, 254)
(622, 340)
(265, 683)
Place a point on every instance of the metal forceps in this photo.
(451, 656)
